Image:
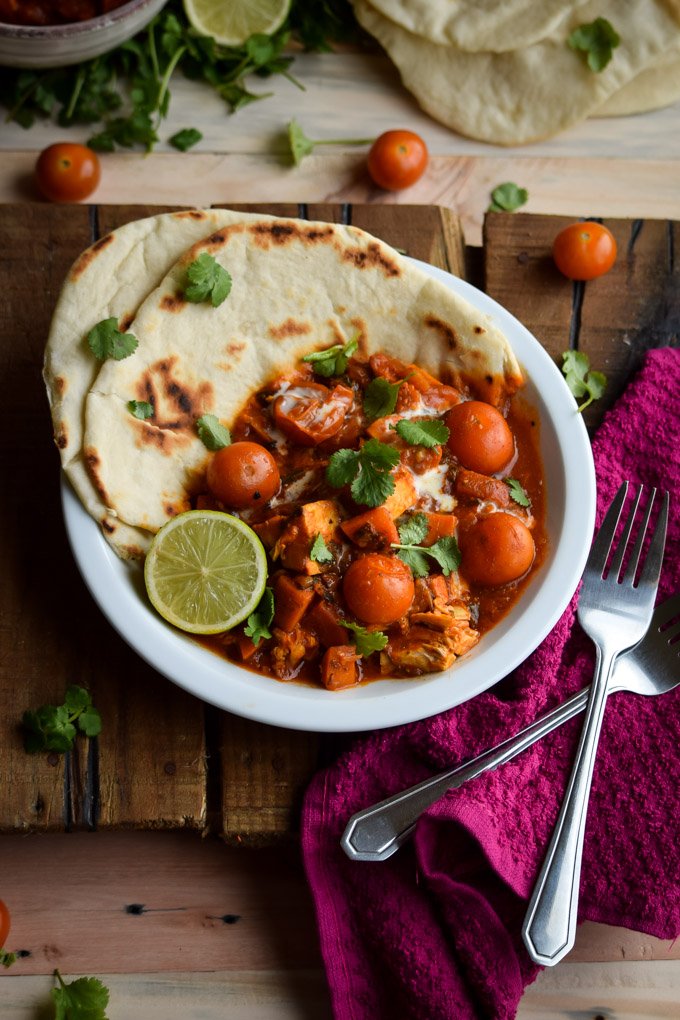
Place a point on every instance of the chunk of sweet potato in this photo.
(295, 543)
(339, 668)
(373, 530)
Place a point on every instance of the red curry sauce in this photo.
(465, 495)
(54, 12)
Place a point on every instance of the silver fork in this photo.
(615, 611)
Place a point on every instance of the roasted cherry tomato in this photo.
(583, 251)
(496, 549)
(243, 475)
(67, 172)
(397, 159)
(378, 588)
(480, 437)
(312, 413)
(4, 924)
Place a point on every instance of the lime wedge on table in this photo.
(205, 571)
(231, 22)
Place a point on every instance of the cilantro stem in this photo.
(291, 78)
(21, 100)
(60, 979)
(165, 81)
(77, 89)
(153, 53)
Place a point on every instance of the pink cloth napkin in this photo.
(434, 932)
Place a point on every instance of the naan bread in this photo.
(494, 26)
(110, 279)
(653, 88)
(297, 286)
(531, 93)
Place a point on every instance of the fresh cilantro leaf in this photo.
(365, 641)
(423, 432)
(380, 397)
(508, 197)
(260, 620)
(51, 727)
(342, 467)
(517, 492)
(445, 551)
(368, 470)
(206, 278)
(141, 409)
(415, 559)
(332, 361)
(597, 40)
(580, 379)
(299, 145)
(185, 139)
(82, 999)
(7, 959)
(212, 433)
(105, 340)
(320, 551)
(447, 554)
(413, 529)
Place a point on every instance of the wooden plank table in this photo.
(73, 915)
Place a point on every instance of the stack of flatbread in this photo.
(297, 286)
(502, 71)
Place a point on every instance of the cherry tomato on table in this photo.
(378, 588)
(67, 172)
(480, 437)
(4, 924)
(583, 251)
(243, 475)
(496, 549)
(397, 159)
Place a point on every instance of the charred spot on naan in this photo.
(267, 234)
(88, 256)
(126, 321)
(61, 436)
(92, 463)
(445, 331)
(190, 214)
(373, 256)
(289, 327)
(176, 404)
(172, 302)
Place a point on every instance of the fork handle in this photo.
(549, 928)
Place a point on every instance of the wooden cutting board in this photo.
(164, 759)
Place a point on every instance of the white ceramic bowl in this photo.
(570, 485)
(32, 46)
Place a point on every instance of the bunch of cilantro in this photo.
(125, 94)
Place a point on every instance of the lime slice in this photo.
(231, 22)
(205, 571)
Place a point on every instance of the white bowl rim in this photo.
(117, 587)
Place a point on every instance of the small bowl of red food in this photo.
(56, 33)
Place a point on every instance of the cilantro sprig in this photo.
(332, 361)
(54, 727)
(185, 139)
(508, 197)
(380, 397)
(206, 280)
(444, 551)
(261, 619)
(365, 641)
(85, 998)
(581, 380)
(517, 492)
(105, 340)
(597, 41)
(299, 145)
(367, 471)
(212, 433)
(7, 959)
(422, 432)
(320, 551)
(141, 409)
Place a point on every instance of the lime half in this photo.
(205, 571)
(231, 22)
